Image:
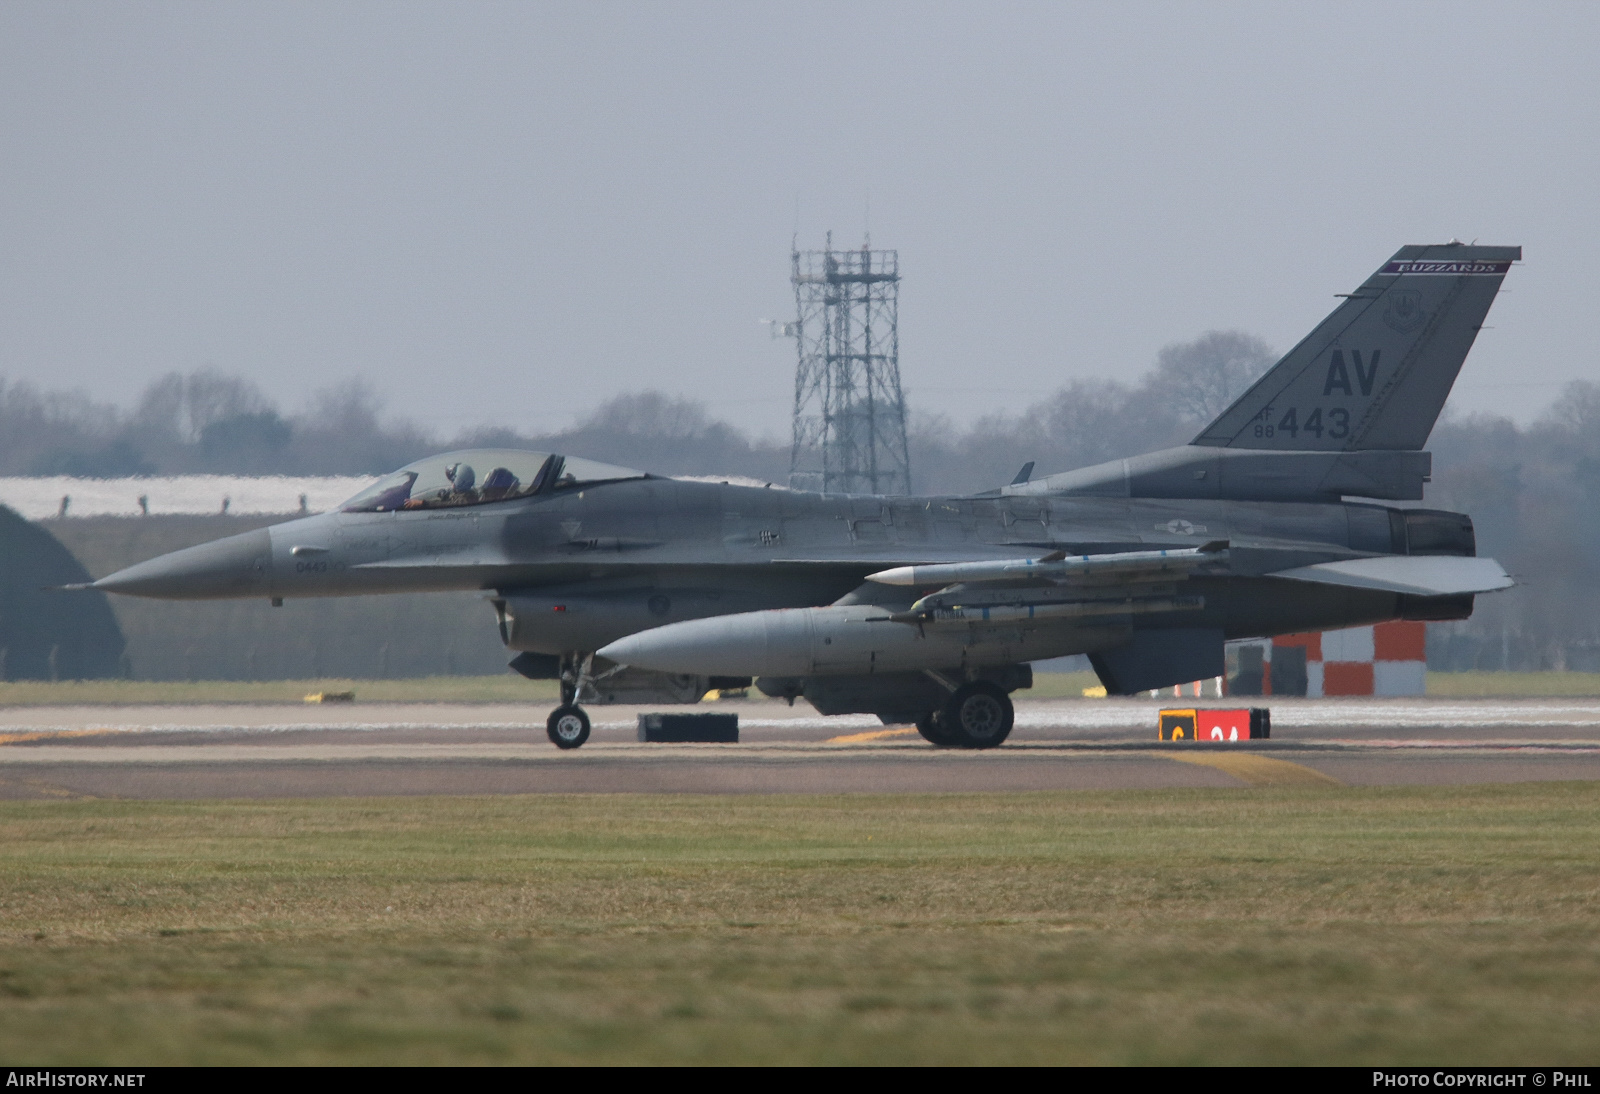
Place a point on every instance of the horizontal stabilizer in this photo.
(1417, 575)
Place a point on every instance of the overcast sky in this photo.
(507, 213)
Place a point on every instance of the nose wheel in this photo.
(568, 726)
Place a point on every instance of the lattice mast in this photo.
(849, 412)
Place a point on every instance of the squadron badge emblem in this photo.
(1404, 313)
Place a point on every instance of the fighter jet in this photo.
(629, 586)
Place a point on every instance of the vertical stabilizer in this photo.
(1375, 373)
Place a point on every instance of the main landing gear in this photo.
(978, 714)
(568, 725)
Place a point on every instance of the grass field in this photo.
(1416, 925)
(1442, 685)
(507, 688)
(500, 688)
(1512, 685)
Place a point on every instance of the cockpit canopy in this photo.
(479, 476)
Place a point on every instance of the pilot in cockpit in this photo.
(497, 484)
(447, 482)
(462, 479)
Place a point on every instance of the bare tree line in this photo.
(209, 422)
(202, 422)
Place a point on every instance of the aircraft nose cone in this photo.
(240, 565)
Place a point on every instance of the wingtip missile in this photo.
(1056, 566)
(940, 573)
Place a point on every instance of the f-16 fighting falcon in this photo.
(628, 586)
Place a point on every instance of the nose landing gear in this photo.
(568, 725)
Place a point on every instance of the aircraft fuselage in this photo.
(619, 557)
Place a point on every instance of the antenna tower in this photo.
(849, 413)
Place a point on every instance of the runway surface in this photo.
(262, 751)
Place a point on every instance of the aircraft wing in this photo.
(1420, 575)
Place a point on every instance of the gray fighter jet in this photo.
(628, 586)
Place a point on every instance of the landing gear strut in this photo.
(568, 725)
(978, 714)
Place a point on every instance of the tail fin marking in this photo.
(1376, 372)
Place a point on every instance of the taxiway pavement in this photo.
(378, 749)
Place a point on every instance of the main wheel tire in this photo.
(568, 726)
(933, 730)
(977, 715)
